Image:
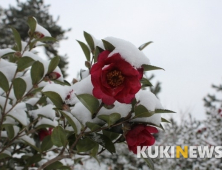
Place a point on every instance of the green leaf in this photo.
(110, 119)
(10, 131)
(85, 49)
(55, 165)
(53, 64)
(145, 82)
(94, 151)
(37, 72)
(85, 144)
(104, 141)
(108, 46)
(46, 143)
(150, 67)
(32, 24)
(69, 118)
(58, 136)
(141, 111)
(17, 39)
(92, 126)
(55, 98)
(163, 111)
(96, 53)
(24, 63)
(165, 120)
(34, 159)
(149, 163)
(144, 45)
(111, 135)
(4, 82)
(89, 101)
(19, 87)
(4, 155)
(89, 40)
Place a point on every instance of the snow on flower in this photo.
(114, 79)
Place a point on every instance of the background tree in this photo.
(17, 17)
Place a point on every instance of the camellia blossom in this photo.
(115, 79)
(140, 135)
(43, 133)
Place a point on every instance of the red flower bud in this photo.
(54, 75)
(140, 135)
(43, 133)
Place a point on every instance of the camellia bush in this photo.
(49, 123)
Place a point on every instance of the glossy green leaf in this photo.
(56, 165)
(85, 49)
(85, 144)
(145, 82)
(89, 101)
(92, 126)
(10, 131)
(95, 150)
(163, 111)
(89, 40)
(110, 119)
(46, 143)
(141, 111)
(165, 120)
(108, 46)
(32, 24)
(24, 63)
(17, 39)
(37, 72)
(53, 64)
(150, 67)
(19, 87)
(69, 118)
(144, 45)
(58, 136)
(55, 98)
(4, 82)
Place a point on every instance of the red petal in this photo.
(151, 129)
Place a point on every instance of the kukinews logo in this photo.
(177, 151)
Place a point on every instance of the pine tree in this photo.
(17, 17)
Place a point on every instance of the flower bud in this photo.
(18, 54)
(54, 75)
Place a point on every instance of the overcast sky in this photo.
(187, 38)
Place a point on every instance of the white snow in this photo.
(8, 71)
(4, 134)
(42, 30)
(28, 140)
(128, 51)
(33, 56)
(6, 51)
(20, 115)
(4, 63)
(45, 121)
(28, 80)
(150, 101)
(2, 103)
(46, 111)
(9, 121)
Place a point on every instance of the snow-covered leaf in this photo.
(4, 82)
(58, 136)
(108, 46)
(37, 72)
(19, 87)
(110, 119)
(70, 118)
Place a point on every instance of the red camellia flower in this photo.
(140, 135)
(43, 133)
(115, 79)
